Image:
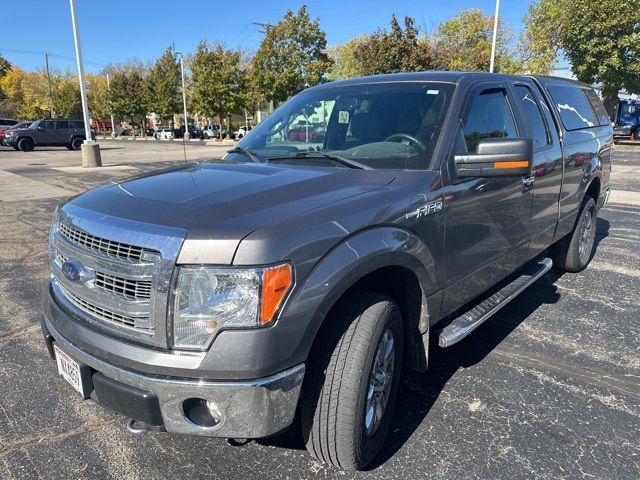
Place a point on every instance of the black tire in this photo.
(76, 143)
(15, 147)
(26, 145)
(338, 381)
(573, 253)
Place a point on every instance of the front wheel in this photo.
(352, 381)
(76, 144)
(573, 252)
(26, 145)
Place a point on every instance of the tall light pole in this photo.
(186, 134)
(90, 149)
(495, 37)
(113, 128)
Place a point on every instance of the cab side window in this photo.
(490, 116)
(536, 122)
(47, 125)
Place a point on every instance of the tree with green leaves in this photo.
(466, 41)
(600, 38)
(5, 66)
(540, 41)
(67, 94)
(218, 81)
(126, 95)
(162, 86)
(399, 49)
(97, 96)
(291, 57)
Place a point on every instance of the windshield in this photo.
(386, 126)
(629, 110)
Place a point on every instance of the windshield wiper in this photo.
(245, 152)
(310, 155)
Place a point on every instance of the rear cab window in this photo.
(598, 107)
(489, 116)
(575, 108)
(531, 110)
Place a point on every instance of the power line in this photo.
(56, 55)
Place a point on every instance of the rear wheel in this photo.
(76, 144)
(26, 145)
(573, 252)
(352, 381)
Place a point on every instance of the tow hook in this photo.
(136, 427)
(238, 442)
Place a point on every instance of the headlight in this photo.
(54, 222)
(208, 299)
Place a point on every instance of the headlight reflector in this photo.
(207, 299)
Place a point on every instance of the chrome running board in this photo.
(466, 323)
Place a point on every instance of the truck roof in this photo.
(444, 76)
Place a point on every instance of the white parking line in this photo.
(625, 197)
(16, 188)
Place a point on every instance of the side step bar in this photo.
(462, 326)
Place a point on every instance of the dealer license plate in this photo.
(69, 369)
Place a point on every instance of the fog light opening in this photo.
(202, 413)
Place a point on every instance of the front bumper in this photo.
(251, 408)
(622, 131)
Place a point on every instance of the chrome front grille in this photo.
(114, 274)
(115, 298)
(106, 247)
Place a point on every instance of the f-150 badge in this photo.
(425, 210)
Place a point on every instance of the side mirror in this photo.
(497, 157)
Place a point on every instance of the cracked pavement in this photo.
(547, 388)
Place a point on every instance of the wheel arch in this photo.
(387, 260)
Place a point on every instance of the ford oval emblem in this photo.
(72, 270)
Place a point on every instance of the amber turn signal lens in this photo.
(513, 164)
(276, 282)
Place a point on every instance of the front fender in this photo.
(355, 257)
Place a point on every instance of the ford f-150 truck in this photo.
(302, 275)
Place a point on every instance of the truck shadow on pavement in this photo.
(419, 391)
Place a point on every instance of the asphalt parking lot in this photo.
(548, 388)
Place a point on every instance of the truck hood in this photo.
(221, 202)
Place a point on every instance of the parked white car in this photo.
(164, 133)
(241, 132)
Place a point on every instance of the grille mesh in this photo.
(129, 289)
(106, 247)
(104, 314)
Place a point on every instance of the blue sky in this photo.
(116, 31)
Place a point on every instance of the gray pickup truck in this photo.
(293, 281)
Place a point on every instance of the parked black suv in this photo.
(48, 133)
(297, 278)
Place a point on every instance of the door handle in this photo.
(527, 182)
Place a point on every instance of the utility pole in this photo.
(46, 62)
(113, 128)
(495, 37)
(266, 26)
(265, 29)
(90, 149)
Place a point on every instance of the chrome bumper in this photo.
(251, 408)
